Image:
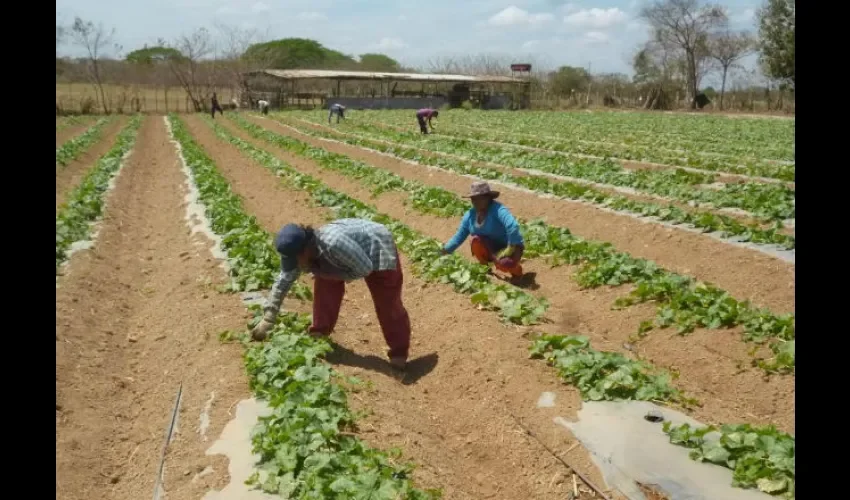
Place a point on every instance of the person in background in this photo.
(426, 114)
(216, 106)
(495, 232)
(344, 250)
(337, 109)
(235, 104)
(264, 106)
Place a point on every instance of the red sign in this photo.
(520, 67)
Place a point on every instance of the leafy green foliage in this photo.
(777, 24)
(288, 53)
(72, 149)
(760, 457)
(709, 222)
(305, 445)
(603, 375)
(513, 304)
(683, 302)
(254, 262)
(85, 204)
(148, 56)
(70, 121)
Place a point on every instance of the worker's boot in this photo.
(398, 362)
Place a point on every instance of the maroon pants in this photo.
(385, 287)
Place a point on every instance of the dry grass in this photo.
(82, 98)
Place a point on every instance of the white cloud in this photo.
(596, 18)
(311, 16)
(530, 44)
(595, 38)
(259, 7)
(569, 8)
(402, 18)
(388, 43)
(513, 15)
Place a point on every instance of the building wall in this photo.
(388, 103)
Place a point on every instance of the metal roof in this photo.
(304, 74)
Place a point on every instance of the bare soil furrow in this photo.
(136, 315)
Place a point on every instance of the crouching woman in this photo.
(495, 232)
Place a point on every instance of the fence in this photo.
(74, 98)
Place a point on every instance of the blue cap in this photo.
(289, 242)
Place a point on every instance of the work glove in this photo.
(261, 331)
(508, 251)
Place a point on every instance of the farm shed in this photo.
(310, 88)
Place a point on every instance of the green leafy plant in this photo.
(72, 149)
(85, 203)
(760, 457)
(603, 375)
(306, 446)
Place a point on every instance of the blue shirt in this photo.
(499, 226)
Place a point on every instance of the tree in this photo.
(777, 23)
(379, 63)
(235, 43)
(148, 56)
(685, 26)
(727, 49)
(567, 80)
(94, 39)
(291, 53)
(185, 64)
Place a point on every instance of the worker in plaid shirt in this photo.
(344, 250)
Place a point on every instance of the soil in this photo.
(136, 315)
(717, 373)
(69, 176)
(745, 273)
(454, 412)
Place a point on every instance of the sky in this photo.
(600, 34)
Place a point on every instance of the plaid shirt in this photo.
(349, 249)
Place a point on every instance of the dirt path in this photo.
(66, 134)
(135, 316)
(745, 273)
(69, 176)
(713, 365)
(456, 421)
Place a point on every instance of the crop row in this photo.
(85, 203)
(72, 149)
(759, 139)
(304, 447)
(574, 146)
(597, 375)
(708, 222)
(466, 277)
(771, 201)
(683, 302)
(254, 262)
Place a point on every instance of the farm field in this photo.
(659, 261)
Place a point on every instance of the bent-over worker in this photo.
(426, 114)
(344, 250)
(495, 231)
(338, 110)
(264, 106)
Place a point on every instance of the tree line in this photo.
(688, 40)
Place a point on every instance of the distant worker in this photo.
(264, 106)
(216, 106)
(339, 252)
(495, 232)
(338, 110)
(422, 115)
